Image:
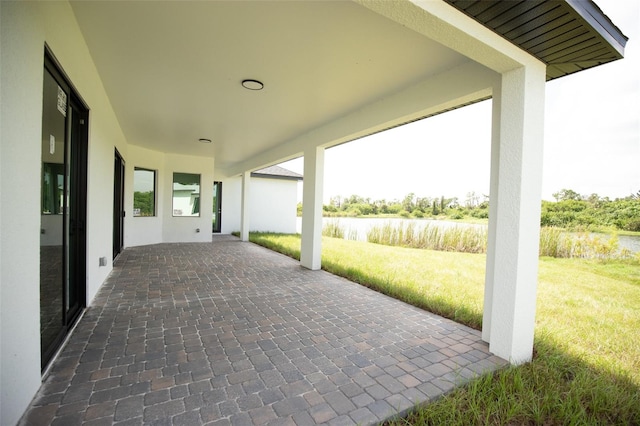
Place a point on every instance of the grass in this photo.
(333, 229)
(433, 237)
(554, 242)
(586, 368)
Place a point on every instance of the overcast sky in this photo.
(592, 138)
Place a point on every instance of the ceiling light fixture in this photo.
(252, 84)
(204, 140)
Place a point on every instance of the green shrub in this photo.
(480, 213)
(632, 225)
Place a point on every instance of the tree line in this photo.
(570, 210)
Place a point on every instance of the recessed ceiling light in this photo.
(204, 140)
(252, 84)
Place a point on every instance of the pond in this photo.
(357, 228)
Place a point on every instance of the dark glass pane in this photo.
(54, 119)
(217, 206)
(186, 194)
(144, 194)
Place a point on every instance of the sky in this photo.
(592, 139)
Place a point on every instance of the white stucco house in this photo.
(218, 90)
(273, 201)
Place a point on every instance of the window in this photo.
(186, 194)
(52, 188)
(144, 192)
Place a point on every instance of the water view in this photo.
(358, 228)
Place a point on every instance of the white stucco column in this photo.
(496, 105)
(310, 251)
(514, 215)
(244, 208)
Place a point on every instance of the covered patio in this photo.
(228, 332)
(198, 93)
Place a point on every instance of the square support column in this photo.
(514, 215)
(310, 251)
(244, 208)
(496, 105)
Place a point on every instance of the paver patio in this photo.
(232, 333)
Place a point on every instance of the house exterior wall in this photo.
(140, 231)
(272, 205)
(22, 42)
(231, 200)
(164, 227)
(25, 29)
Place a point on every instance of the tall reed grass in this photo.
(433, 237)
(554, 242)
(334, 229)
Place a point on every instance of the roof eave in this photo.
(566, 46)
(595, 17)
(277, 177)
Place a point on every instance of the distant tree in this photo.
(143, 202)
(472, 200)
(356, 199)
(595, 200)
(407, 202)
(423, 203)
(567, 194)
(335, 201)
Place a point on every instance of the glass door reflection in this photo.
(62, 210)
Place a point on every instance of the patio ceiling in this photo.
(173, 70)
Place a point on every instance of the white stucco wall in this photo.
(164, 227)
(140, 231)
(272, 206)
(231, 199)
(25, 28)
(22, 43)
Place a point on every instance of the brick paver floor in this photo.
(232, 333)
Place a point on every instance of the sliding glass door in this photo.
(217, 207)
(63, 210)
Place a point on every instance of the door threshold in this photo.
(47, 370)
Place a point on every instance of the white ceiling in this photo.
(173, 70)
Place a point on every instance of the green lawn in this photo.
(586, 368)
